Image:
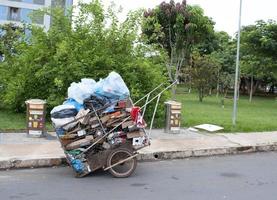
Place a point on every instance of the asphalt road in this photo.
(240, 177)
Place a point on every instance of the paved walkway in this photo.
(17, 150)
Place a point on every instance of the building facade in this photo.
(18, 11)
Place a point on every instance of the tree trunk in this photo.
(173, 90)
(217, 85)
(200, 90)
(251, 89)
(217, 90)
(256, 86)
(225, 92)
(272, 90)
(248, 85)
(222, 102)
(239, 89)
(190, 84)
(242, 85)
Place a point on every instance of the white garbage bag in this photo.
(82, 90)
(59, 122)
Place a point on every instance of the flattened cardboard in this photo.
(127, 123)
(135, 134)
(105, 118)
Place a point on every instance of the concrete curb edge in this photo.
(18, 163)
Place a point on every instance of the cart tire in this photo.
(125, 169)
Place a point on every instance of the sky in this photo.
(223, 12)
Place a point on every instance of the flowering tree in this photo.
(176, 28)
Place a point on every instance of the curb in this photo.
(167, 155)
(18, 163)
(13, 130)
(21, 130)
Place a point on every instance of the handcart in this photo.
(109, 141)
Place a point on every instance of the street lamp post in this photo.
(237, 70)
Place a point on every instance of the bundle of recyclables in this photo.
(98, 126)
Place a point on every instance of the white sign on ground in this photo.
(209, 127)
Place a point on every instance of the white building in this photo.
(17, 11)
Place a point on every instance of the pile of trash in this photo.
(96, 117)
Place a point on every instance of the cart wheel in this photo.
(124, 169)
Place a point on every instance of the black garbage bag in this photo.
(96, 101)
(65, 113)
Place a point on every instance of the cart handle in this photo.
(105, 135)
(148, 94)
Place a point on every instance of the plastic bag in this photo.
(58, 123)
(96, 102)
(62, 107)
(65, 113)
(112, 87)
(73, 103)
(59, 131)
(82, 90)
(78, 165)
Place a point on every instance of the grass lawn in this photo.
(260, 115)
(10, 121)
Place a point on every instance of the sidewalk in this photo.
(19, 151)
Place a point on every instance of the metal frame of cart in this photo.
(121, 160)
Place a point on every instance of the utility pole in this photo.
(237, 71)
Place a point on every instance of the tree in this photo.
(203, 73)
(262, 38)
(9, 39)
(176, 27)
(225, 52)
(259, 55)
(97, 45)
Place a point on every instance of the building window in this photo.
(58, 3)
(27, 1)
(40, 2)
(28, 16)
(14, 14)
(68, 3)
(3, 12)
(25, 15)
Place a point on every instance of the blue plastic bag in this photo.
(59, 131)
(78, 165)
(74, 103)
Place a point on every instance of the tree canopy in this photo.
(176, 27)
(176, 35)
(98, 43)
(259, 55)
